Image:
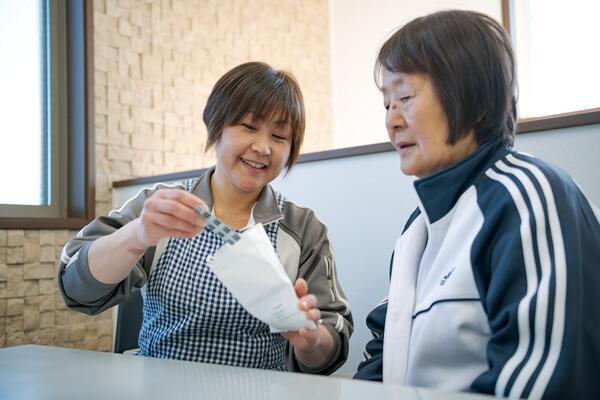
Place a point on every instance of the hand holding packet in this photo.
(249, 268)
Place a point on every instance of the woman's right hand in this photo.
(169, 213)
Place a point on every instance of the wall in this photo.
(155, 63)
(31, 310)
(358, 113)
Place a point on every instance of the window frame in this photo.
(551, 121)
(76, 162)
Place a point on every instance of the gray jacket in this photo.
(302, 244)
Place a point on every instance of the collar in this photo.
(438, 193)
(264, 211)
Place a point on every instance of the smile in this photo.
(254, 164)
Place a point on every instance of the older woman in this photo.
(495, 279)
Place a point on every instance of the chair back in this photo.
(129, 322)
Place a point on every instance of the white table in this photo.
(42, 372)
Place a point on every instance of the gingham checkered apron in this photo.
(190, 315)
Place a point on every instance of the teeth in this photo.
(254, 164)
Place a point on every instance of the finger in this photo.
(168, 222)
(301, 288)
(162, 232)
(180, 211)
(180, 234)
(185, 198)
(181, 204)
(314, 314)
(307, 302)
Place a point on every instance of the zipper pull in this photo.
(329, 274)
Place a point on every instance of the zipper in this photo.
(331, 284)
(329, 271)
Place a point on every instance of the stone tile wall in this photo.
(156, 62)
(31, 309)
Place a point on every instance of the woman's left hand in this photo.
(305, 339)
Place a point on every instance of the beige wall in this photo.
(353, 57)
(155, 63)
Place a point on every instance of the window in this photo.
(46, 141)
(557, 65)
(23, 77)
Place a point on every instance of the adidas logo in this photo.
(445, 278)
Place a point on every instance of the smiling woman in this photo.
(157, 241)
(261, 94)
(256, 135)
(250, 154)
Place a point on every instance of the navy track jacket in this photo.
(495, 284)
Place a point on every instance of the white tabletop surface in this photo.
(42, 372)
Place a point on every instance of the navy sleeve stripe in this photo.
(531, 277)
(560, 271)
(536, 286)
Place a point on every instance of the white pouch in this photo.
(252, 272)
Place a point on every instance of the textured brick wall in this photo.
(155, 63)
(31, 309)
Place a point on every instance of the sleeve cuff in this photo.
(79, 283)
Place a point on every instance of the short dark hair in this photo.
(257, 88)
(470, 61)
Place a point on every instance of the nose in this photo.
(262, 144)
(394, 120)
